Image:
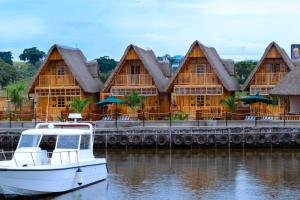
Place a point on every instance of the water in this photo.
(196, 174)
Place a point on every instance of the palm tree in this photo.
(14, 91)
(135, 101)
(229, 102)
(78, 105)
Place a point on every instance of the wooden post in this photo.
(284, 117)
(143, 118)
(170, 116)
(116, 114)
(226, 118)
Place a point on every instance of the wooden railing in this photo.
(207, 112)
(133, 79)
(56, 80)
(268, 78)
(53, 113)
(194, 78)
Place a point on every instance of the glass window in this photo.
(68, 142)
(200, 69)
(29, 141)
(60, 102)
(60, 70)
(200, 101)
(85, 142)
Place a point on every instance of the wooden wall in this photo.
(133, 76)
(198, 75)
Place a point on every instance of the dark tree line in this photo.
(16, 71)
(243, 70)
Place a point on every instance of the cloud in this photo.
(20, 27)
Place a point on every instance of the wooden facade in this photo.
(135, 73)
(197, 87)
(272, 67)
(55, 85)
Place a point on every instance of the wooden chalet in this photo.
(140, 71)
(272, 67)
(64, 75)
(201, 81)
(288, 91)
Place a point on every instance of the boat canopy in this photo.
(55, 132)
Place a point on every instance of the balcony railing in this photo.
(268, 78)
(195, 78)
(133, 79)
(56, 80)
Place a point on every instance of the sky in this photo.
(238, 29)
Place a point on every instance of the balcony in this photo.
(268, 78)
(56, 80)
(197, 79)
(133, 79)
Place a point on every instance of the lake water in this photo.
(196, 174)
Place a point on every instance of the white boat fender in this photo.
(78, 176)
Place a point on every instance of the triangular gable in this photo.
(76, 63)
(149, 61)
(213, 59)
(272, 51)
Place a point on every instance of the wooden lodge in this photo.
(272, 67)
(200, 82)
(64, 75)
(140, 71)
(288, 91)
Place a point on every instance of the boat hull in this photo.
(29, 182)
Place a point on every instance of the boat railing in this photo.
(25, 159)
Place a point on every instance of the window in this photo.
(85, 142)
(29, 141)
(68, 142)
(200, 101)
(200, 69)
(60, 70)
(60, 102)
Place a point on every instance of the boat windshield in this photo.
(68, 142)
(29, 141)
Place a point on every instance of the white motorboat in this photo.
(32, 170)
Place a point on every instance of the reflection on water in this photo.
(196, 174)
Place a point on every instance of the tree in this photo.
(7, 73)
(134, 100)
(229, 102)
(243, 70)
(78, 105)
(106, 65)
(15, 91)
(32, 55)
(7, 57)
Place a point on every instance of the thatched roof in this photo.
(282, 53)
(289, 85)
(223, 68)
(85, 73)
(149, 61)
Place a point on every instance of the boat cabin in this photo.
(71, 143)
